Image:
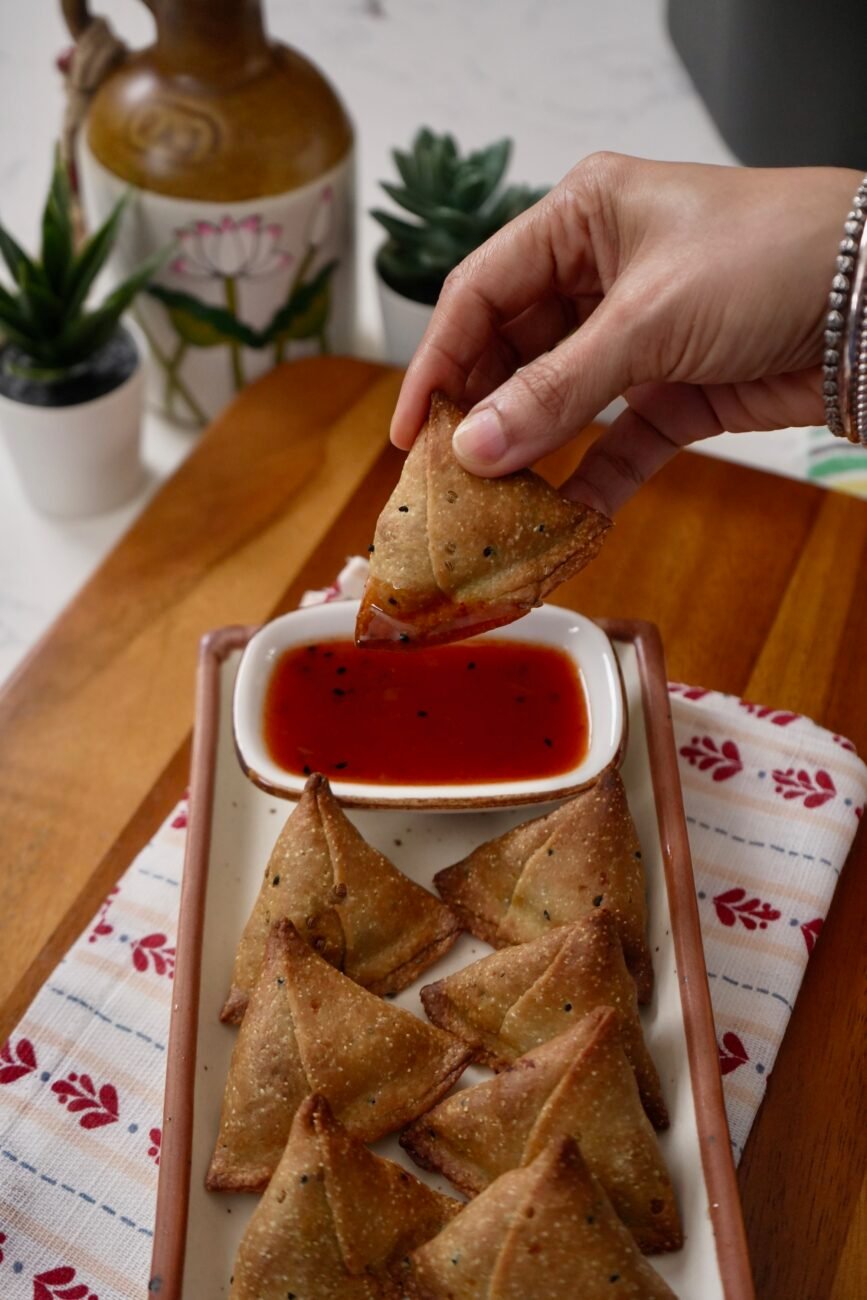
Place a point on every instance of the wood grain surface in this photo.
(756, 583)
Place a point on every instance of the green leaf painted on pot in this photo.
(306, 313)
(204, 326)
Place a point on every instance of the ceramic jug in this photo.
(239, 155)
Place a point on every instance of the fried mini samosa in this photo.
(454, 554)
(346, 900)
(544, 1232)
(336, 1221)
(579, 1084)
(555, 870)
(522, 996)
(310, 1029)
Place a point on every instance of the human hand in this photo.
(698, 292)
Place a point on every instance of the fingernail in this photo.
(479, 441)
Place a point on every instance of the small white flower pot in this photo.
(404, 322)
(79, 460)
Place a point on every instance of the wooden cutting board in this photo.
(756, 582)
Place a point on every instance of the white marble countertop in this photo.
(562, 77)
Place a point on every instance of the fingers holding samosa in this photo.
(454, 555)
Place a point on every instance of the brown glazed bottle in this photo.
(241, 156)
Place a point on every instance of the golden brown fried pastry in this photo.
(454, 554)
(556, 869)
(336, 1222)
(522, 996)
(346, 900)
(544, 1232)
(579, 1084)
(309, 1029)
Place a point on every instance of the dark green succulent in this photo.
(44, 318)
(460, 206)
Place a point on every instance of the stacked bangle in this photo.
(845, 358)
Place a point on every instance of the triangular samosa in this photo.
(544, 1232)
(336, 1221)
(346, 900)
(520, 997)
(579, 1084)
(309, 1029)
(556, 869)
(454, 554)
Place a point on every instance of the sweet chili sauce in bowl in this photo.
(482, 711)
(523, 714)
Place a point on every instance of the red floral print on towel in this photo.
(779, 717)
(732, 1053)
(153, 953)
(182, 814)
(60, 1284)
(814, 790)
(102, 928)
(156, 1137)
(721, 761)
(17, 1060)
(734, 906)
(79, 1095)
(687, 692)
(811, 931)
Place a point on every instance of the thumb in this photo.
(547, 402)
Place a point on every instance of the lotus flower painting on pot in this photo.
(231, 249)
(243, 284)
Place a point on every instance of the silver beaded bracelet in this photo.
(845, 360)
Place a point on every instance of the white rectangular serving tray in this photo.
(233, 826)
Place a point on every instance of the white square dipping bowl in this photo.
(549, 625)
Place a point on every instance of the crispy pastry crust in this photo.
(346, 900)
(521, 996)
(336, 1221)
(543, 1232)
(455, 554)
(310, 1029)
(554, 870)
(579, 1084)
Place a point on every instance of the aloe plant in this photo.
(45, 315)
(459, 203)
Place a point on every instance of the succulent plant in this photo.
(460, 206)
(44, 319)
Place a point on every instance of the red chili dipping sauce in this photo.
(478, 712)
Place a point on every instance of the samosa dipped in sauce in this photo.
(454, 555)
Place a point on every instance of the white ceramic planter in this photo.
(404, 323)
(78, 460)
